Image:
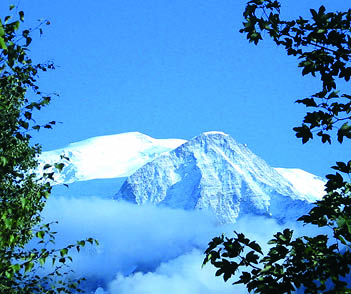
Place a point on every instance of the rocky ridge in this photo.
(214, 172)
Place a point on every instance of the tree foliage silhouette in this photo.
(318, 264)
(23, 192)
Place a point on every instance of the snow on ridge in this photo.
(214, 133)
(125, 139)
(109, 156)
(215, 173)
(120, 155)
(311, 186)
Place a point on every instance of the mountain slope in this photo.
(309, 185)
(99, 165)
(107, 156)
(212, 171)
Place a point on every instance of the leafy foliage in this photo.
(323, 46)
(22, 192)
(318, 264)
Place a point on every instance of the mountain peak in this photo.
(212, 171)
(209, 133)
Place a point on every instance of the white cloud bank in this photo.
(145, 249)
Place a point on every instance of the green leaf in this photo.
(28, 115)
(16, 267)
(63, 252)
(40, 234)
(344, 131)
(309, 102)
(90, 240)
(81, 243)
(267, 268)
(46, 166)
(2, 31)
(2, 34)
(314, 13)
(24, 124)
(244, 278)
(3, 160)
(252, 257)
(28, 266)
(255, 246)
(16, 25)
(343, 167)
(2, 43)
(303, 132)
(9, 274)
(21, 15)
(42, 260)
(28, 41)
(59, 166)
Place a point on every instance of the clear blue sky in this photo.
(173, 69)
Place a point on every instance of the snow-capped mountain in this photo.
(211, 171)
(214, 172)
(104, 157)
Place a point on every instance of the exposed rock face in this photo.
(213, 171)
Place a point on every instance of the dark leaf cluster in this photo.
(322, 44)
(319, 263)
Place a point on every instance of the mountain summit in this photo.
(211, 171)
(214, 172)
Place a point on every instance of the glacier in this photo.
(105, 157)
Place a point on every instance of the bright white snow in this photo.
(108, 156)
(120, 155)
(307, 184)
(212, 171)
(215, 132)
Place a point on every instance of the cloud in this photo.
(132, 238)
(180, 275)
(146, 249)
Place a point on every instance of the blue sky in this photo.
(173, 69)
